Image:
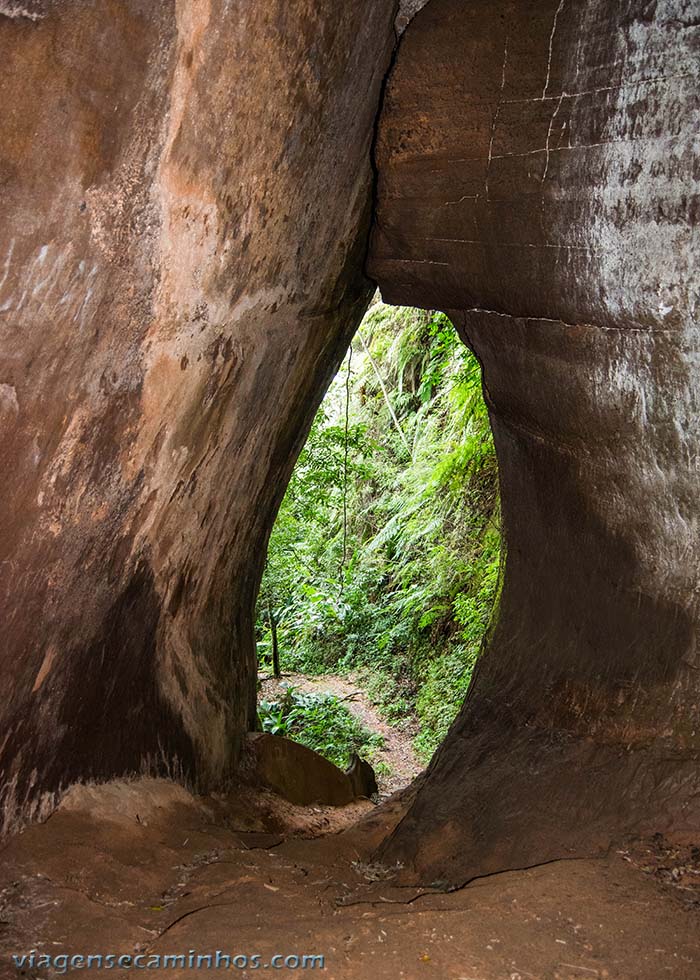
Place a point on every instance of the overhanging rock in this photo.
(538, 181)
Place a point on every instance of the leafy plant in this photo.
(272, 718)
(386, 553)
(320, 722)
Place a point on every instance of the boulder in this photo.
(296, 773)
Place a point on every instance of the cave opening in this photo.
(196, 205)
(384, 562)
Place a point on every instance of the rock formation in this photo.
(538, 181)
(301, 775)
(186, 190)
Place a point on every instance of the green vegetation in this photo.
(320, 722)
(385, 555)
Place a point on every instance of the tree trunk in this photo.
(276, 672)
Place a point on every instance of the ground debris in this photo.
(376, 872)
(676, 865)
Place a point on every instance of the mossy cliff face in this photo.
(538, 181)
(186, 191)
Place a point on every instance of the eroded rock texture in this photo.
(538, 180)
(185, 202)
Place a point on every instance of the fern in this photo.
(412, 600)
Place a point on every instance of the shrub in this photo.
(320, 722)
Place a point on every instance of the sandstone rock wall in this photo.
(186, 189)
(185, 201)
(538, 180)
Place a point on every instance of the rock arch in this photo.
(538, 182)
(187, 193)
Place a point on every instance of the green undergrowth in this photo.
(385, 556)
(320, 722)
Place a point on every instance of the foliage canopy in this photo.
(386, 551)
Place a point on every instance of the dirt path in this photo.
(402, 764)
(143, 869)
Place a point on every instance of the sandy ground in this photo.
(145, 869)
(397, 754)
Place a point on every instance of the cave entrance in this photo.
(383, 564)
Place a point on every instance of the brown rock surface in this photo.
(538, 181)
(186, 190)
(296, 773)
(185, 195)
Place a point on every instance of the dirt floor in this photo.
(401, 765)
(145, 869)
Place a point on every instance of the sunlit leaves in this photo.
(413, 598)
